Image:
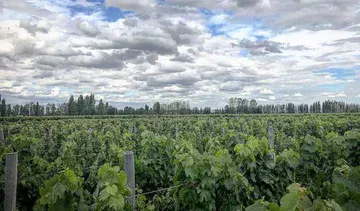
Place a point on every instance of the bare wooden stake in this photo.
(10, 181)
(130, 173)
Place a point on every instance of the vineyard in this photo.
(186, 162)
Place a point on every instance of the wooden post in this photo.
(271, 142)
(2, 138)
(10, 181)
(130, 173)
(271, 136)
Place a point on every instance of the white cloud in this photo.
(261, 100)
(334, 95)
(165, 52)
(219, 19)
(266, 92)
(272, 98)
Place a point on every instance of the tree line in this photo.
(87, 105)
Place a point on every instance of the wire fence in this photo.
(157, 191)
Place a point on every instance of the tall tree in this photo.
(8, 110)
(253, 106)
(72, 106)
(37, 109)
(3, 107)
(81, 105)
(156, 108)
(101, 108)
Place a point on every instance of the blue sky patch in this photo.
(111, 14)
(338, 73)
(244, 53)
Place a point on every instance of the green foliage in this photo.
(346, 187)
(111, 190)
(210, 163)
(62, 192)
(297, 199)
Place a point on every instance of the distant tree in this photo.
(81, 105)
(253, 106)
(37, 109)
(101, 110)
(3, 107)
(227, 109)
(8, 110)
(146, 109)
(92, 104)
(156, 108)
(16, 110)
(72, 106)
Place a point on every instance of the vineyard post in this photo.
(130, 173)
(271, 137)
(10, 181)
(271, 141)
(2, 135)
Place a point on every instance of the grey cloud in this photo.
(177, 9)
(348, 40)
(43, 74)
(33, 27)
(193, 3)
(260, 47)
(152, 58)
(248, 3)
(86, 80)
(62, 83)
(231, 86)
(255, 52)
(128, 54)
(172, 68)
(52, 61)
(62, 50)
(296, 47)
(102, 84)
(192, 51)
(140, 77)
(157, 45)
(131, 22)
(88, 29)
(100, 60)
(139, 5)
(183, 58)
(173, 79)
(315, 15)
(181, 32)
(324, 57)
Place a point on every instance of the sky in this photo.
(138, 52)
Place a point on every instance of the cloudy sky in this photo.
(135, 52)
